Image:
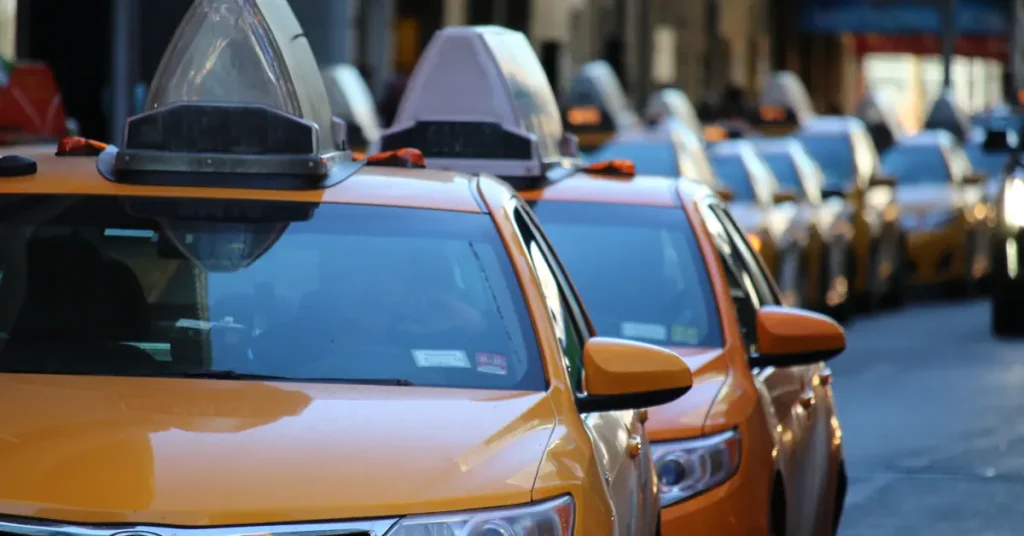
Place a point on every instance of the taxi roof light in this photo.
(407, 158)
(479, 101)
(238, 92)
(76, 146)
(616, 168)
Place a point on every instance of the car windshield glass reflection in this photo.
(638, 270)
(732, 172)
(350, 293)
(916, 164)
(835, 156)
(785, 171)
(650, 158)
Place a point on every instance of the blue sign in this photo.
(973, 17)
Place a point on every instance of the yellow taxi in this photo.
(783, 105)
(667, 148)
(672, 103)
(352, 101)
(595, 107)
(944, 210)
(843, 148)
(227, 326)
(755, 447)
(767, 213)
(826, 215)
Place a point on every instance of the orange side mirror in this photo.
(788, 337)
(621, 374)
(408, 158)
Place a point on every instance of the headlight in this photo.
(688, 467)
(550, 518)
(1013, 203)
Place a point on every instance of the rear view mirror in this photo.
(789, 337)
(784, 196)
(725, 193)
(882, 180)
(74, 130)
(621, 375)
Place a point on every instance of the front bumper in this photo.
(731, 509)
(936, 255)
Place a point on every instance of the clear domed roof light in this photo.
(238, 91)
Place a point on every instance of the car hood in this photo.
(685, 416)
(201, 452)
(925, 197)
(748, 215)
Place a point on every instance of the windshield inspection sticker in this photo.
(685, 334)
(640, 330)
(491, 364)
(441, 359)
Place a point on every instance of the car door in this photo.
(790, 391)
(629, 479)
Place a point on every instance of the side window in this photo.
(748, 259)
(563, 305)
(741, 284)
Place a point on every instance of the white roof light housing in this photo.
(786, 90)
(598, 85)
(352, 101)
(479, 101)
(238, 93)
(672, 103)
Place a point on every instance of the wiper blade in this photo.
(235, 375)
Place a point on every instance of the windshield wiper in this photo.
(235, 375)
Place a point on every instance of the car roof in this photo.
(367, 185)
(831, 124)
(730, 147)
(776, 145)
(657, 135)
(929, 137)
(640, 190)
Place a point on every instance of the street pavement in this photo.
(932, 410)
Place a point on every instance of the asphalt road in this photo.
(932, 410)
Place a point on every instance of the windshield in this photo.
(916, 164)
(785, 171)
(732, 172)
(639, 271)
(649, 158)
(93, 286)
(992, 163)
(835, 157)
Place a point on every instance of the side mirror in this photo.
(975, 178)
(784, 196)
(620, 375)
(789, 337)
(882, 180)
(725, 194)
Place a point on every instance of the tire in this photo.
(843, 311)
(1005, 320)
(896, 291)
(777, 514)
(841, 484)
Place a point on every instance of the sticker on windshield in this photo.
(685, 334)
(491, 364)
(640, 330)
(441, 359)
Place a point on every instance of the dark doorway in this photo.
(74, 39)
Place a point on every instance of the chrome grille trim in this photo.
(23, 527)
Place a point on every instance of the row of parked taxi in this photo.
(230, 323)
(848, 212)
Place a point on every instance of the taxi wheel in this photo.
(1005, 322)
(895, 293)
(843, 311)
(777, 515)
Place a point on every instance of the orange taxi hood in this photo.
(686, 416)
(205, 452)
